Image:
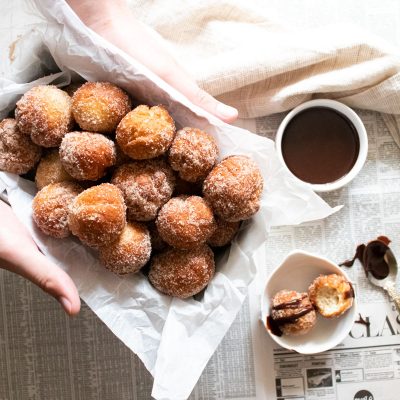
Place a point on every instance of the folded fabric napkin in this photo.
(238, 53)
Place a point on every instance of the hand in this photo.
(19, 254)
(115, 22)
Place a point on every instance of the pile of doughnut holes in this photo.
(126, 183)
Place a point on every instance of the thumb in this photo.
(180, 80)
(52, 279)
(207, 102)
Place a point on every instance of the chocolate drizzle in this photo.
(372, 257)
(294, 317)
(350, 293)
(289, 304)
(359, 255)
(362, 321)
(273, 326)
(274, 323)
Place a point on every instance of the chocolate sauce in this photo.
(350, 293)
(362, 321)
(289, 304)
(372, 257)
(320, 145)
(295, 316)
(359, 255)
(274, 324)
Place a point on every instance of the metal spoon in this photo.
(388, 283)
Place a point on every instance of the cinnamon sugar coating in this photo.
(99, 106)
(185, 222)
(193, 154)
(51, 207)
(44, 113)
(234, 188)
(130, 252)
(18, 154)
(146, 186)
(181, 273)
(50, 170)
(224, 233)
(97, 215)
(87, 155)
(146, 132)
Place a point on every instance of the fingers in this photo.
(175, 75)
(172, 72)
(19, 254)
(180, 80)
(115, 22)
(52, 279)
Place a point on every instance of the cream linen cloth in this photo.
(238, 53)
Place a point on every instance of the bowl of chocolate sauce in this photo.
(322, 143)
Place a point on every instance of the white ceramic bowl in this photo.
(297, 272)
(362, 135)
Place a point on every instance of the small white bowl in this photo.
(297, 272)
(362, 135)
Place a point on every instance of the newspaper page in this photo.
(367, 364)
(247, 365)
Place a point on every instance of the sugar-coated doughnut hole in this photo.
(130, 252)
(292, 312)
(147, 165)
(182, 273)
(185, 222)
(51, 207)
(234, 188)
(50, 170)
(224, 233)
(146, 132)
(44, 113)
(193, 154)
(97, 215)
(332, 295)
(99, 106)
(87, 155)
(146, 186)
(18, 154)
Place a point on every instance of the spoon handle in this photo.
(394, 295)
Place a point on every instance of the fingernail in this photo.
(225, 111)
(66, 304)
